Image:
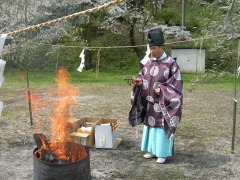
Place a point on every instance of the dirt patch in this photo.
(202, 143)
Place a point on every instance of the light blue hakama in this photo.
(155, 142)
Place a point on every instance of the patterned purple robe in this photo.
(152, 110)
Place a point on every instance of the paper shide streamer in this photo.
(82, 65)
(146, 58)
(2, 65)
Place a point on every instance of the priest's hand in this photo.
(138, 82)
(157, 91)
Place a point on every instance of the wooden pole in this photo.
(235, 101)
(29, 100)
(98, 63)
(183, 13)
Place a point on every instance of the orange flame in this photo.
(62, 101)
(37, 105)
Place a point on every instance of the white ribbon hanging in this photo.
(238, 71)
(1, 81)
(146, 58)
(2, 41)
(82, 56)
(2, 66)
(1, 107)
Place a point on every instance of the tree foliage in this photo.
(127, 23)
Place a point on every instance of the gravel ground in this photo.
(202, 143)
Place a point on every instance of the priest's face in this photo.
(156, 51)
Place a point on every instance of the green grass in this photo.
(48, 78)
(75, 77)
(211, 81)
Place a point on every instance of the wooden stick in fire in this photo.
(29, 101)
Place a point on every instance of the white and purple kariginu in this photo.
(159, 111)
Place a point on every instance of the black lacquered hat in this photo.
(155, 37)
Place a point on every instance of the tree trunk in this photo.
(88, 59)
(138, 51)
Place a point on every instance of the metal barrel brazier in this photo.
(78, 170)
